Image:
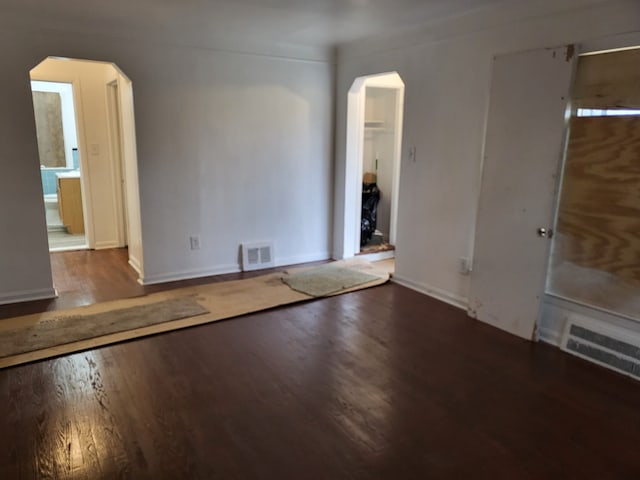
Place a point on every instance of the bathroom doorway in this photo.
(57, 138)
(91, 179)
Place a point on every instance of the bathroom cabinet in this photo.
(70, 204)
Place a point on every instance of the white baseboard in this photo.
(221, 269)
(188, 274)
(447, 297)
(106, 245)
(135, 264)
(296, 259)
(550, 336)
(27, 296)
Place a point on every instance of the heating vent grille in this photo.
(256, 256)
(613, 347)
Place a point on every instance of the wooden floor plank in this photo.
(381, 383)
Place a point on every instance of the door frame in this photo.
(115, 140)
(85, 185)
(354, 157)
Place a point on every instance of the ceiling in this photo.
(315, 23)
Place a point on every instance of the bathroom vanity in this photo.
(70, 202)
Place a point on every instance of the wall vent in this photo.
(608, 345)
(256, 256)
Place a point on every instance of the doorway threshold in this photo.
(68, 249)
(374, 256)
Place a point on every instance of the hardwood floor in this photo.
(381, 383)
(85, 277)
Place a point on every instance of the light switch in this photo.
(412, 153)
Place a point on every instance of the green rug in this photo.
(73, 328)
(325, 280)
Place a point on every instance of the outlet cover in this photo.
(195, 242)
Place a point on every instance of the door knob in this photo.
(545, 232)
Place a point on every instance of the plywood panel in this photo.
(599, 215)
(608, 80)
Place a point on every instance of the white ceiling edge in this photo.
(19, 25)
(486, 18)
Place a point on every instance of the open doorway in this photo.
(91, 186)
(372, 177)
(57, 138)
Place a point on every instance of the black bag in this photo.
(370, 199)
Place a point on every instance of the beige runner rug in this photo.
(34, 337)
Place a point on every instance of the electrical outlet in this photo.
(195, 242)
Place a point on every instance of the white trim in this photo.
(69, 249)
(550, 336)
(107, 244)
(397, 162)
(376, 256)
(112, 103)
(350, 217)
(610, 43)
(28, 296)
(188, 274)
(135, 264)
(222, 269)
(437, 293)
(297, 259)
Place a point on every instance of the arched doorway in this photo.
(373, 152)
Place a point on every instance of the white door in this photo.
(524, 145)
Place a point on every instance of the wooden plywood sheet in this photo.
(608, 80)
(599, 214)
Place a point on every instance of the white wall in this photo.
(233, 147)
(97, 162)
(446, 70)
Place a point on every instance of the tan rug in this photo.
(70, 328)
(211, 302)
(327, 279)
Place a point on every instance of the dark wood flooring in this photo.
(85, 277)
(381, 383)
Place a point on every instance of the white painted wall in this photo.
(96, 161)
(69, 130)
(446, 70)
(233, 147)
